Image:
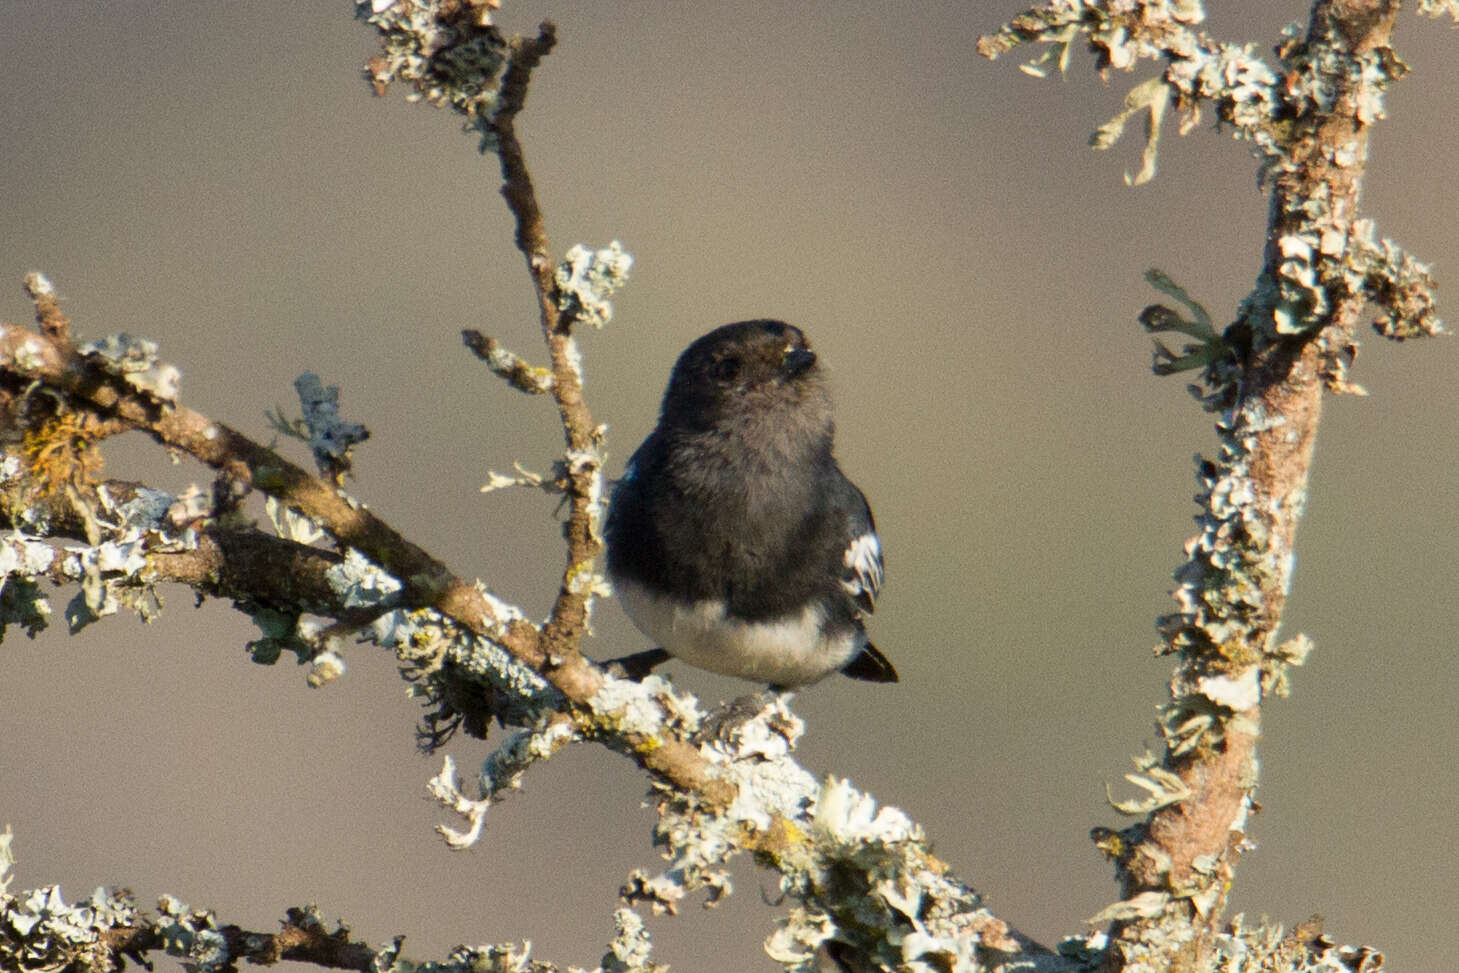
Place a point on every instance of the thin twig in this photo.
(568, 621)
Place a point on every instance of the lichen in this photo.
(631, 947)
(135, 361)
(587, 278)
(39, 930)
(330, 437)
(360, 583)
(447, 50)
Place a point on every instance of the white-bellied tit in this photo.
(734, 539)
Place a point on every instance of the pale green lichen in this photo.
(1269, 948)
(1319, 261)
(631, 948)
(40, 931)
(135, 361)
(1197, 68)
(330, 437)
(587, 278)
(290, 524)
(109, 577)
(860, 874)
(1162, 788)
(1399, 286)
(449, 52)
(1439, 8)
(7, 858)
(196, 937)
(1209, 348)
(111, 573)
(1150, 98)
(360, 583)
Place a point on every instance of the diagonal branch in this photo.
(427, 582)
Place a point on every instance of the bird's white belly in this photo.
(788, 651)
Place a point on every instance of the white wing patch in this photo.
(862, 580)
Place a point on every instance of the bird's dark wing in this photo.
(862, 561)
(861, 579)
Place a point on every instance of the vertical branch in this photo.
(569, 616)
(1177, 865)
(453, 55)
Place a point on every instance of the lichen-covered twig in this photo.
(864, 884)
(532, 379)
(1293, 338)
(570, 612)
(40, 931)
(427, 583)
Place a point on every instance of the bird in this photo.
(734, 540)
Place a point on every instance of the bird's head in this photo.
(759, 370)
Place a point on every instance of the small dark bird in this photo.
(734, 539)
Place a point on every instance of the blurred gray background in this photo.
(219, 178)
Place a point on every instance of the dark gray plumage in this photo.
(734, 539)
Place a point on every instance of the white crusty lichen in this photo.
(1322, 261)
(112, 572)
(7, 858)
(359, 582)
(195, 936)
(451, 667)
(1439, 8)
(135, 360)
(621, 708)
(427, 642)
(325, 668)
(630, 949)
(24, 556)
(38, 285)
(1232, 565)
(501, 772)
(1397, 285)
(447, 50)
(859, 875)
(290, 524)
(39, 930)
(587, 278)
(1197, 68)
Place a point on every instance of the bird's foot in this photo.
(637, 665)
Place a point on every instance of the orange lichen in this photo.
(63, 451)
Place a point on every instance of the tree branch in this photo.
(865, 886)
(1293, 338)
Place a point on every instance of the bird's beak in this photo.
(797, 361)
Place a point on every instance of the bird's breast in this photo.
(788, 650)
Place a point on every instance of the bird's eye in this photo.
(725, 369)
